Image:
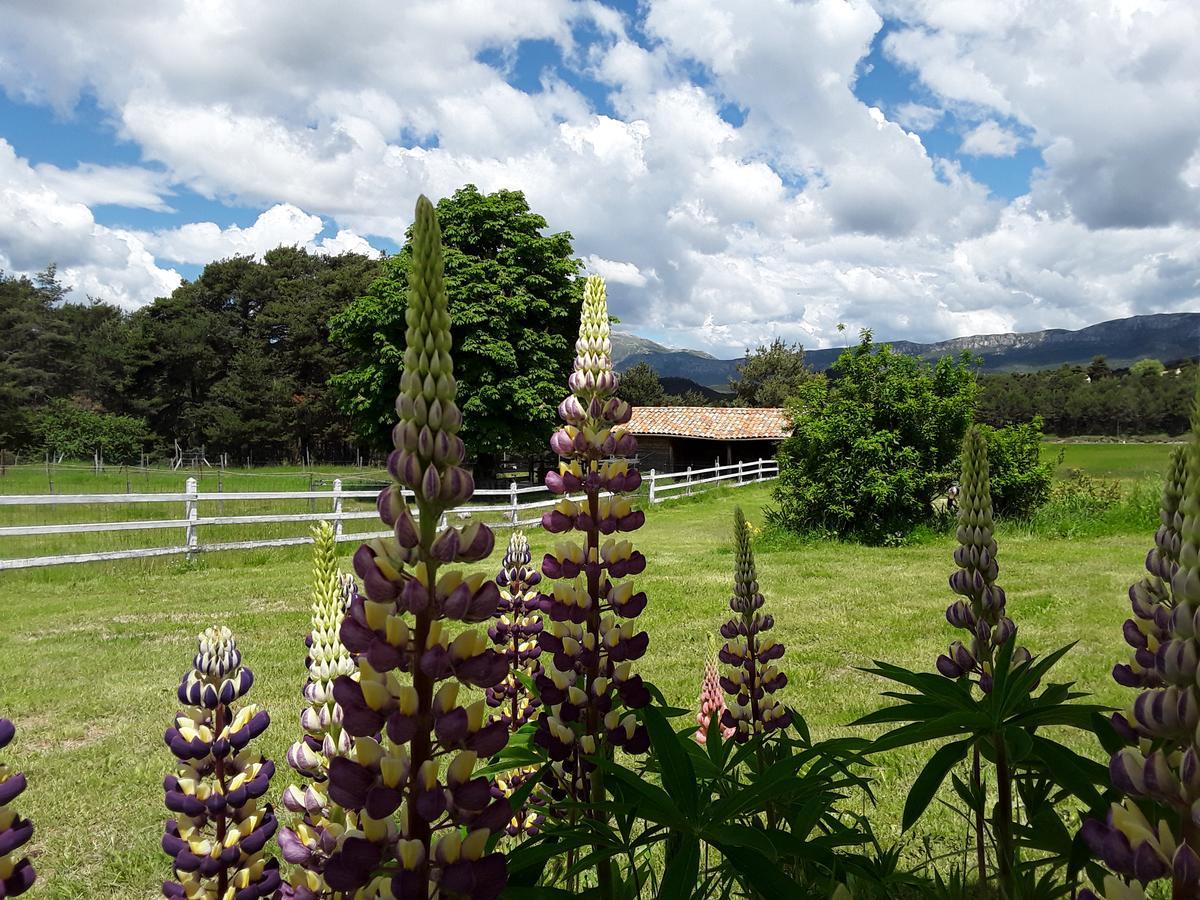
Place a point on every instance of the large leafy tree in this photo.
(874, 444)
(771, 375)
(514, 310)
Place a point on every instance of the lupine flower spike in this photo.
(712, 703)
(416, 744)
(589, 689)
(16, 872)
(982, 611)
(308, 843)
(515, 629)
(221, 824)
(1154, 833)
(753, 679)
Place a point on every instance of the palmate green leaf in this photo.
(931, 778)
(1076, 715)
(682, 871)
(540, 892)
(678, 774)
(533, 854)
(739, 836)
(1076, 773)
(1013, 688)
(935, 687)
(902, 712)
(949, 725)
(653, 803)
(760, 875)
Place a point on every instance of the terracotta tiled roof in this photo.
(723, 424)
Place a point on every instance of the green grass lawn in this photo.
(1103, 460)
(90, 657)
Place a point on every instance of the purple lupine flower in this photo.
(981, 612)
(410, 775)
(753, 679)
(588, 687)
(712, 704)
(307, 842)
(221, 822)
(1149, 835)
(515, 629)
(16, 872)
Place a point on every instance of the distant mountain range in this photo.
(1166, 336)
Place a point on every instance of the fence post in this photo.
(688, 489)
(337, 508)
(652, 475)
(512, 503)
(741, 464)
(761, 474)
(190, 512)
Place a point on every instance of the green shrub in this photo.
(61, 427)
(874, 444)
(1020, 479)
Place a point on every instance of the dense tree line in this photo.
(1073, 400)
(298, 355)
(237, 361)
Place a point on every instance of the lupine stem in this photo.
(980, 833)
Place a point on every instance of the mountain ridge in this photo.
(1163, 336)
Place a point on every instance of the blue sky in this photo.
(737, 172)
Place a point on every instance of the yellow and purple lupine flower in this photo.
(1152, 834)
(712, 704)
(423, 816)
(753, 679)
(221, 823)
(982, 611)
(16, 872)
(309, 841)
(515, 629)
(588, 688)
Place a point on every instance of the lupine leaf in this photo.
(757, 872)
(919, 732)
(678, 774)
(930, 779)
(682, 872)
(1076, 773)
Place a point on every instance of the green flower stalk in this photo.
(16, 872)
(982, 611)
(753, 679)
(221, 823)
(308, 843)
(1154, 832)
(424, 816)
(588, 686)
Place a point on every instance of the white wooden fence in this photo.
(500, 507)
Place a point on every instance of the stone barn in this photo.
(671, 438)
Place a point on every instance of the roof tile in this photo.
(714, 423)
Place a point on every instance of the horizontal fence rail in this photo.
(500, 507)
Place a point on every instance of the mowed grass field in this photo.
(1131, 461)
(90, 657)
